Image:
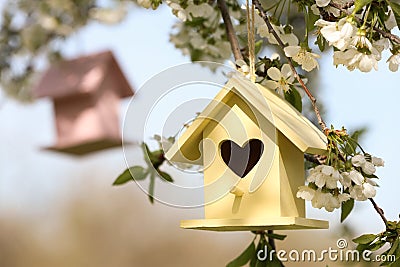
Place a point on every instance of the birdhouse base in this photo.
(84, 148)
(257, 224)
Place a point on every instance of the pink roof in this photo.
(82, 75)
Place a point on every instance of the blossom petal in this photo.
(322, 3)
(358, 160)
(286, 71)
(274, 73)
(378, 162)
(356, 177)
(368, 190)
(292, 51)
(270, 84)
(368, 168)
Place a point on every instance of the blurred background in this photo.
(59, 210)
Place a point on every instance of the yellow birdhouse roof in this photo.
(291, 123)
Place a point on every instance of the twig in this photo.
(230, 32)
(344, 6)
(317, 159)
(390, 36)
(379, 211)
(271, 241)
(296, 75)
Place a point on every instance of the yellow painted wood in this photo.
(277, 111)
(255, 224)
(266, 197)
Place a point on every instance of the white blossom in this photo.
(363, 192)
(263, 31)
(381, 44)
(338, 33)
(344, 197)
(280, 79)
(243, 67)
(177, 10)
(352, 176)
(352, 59)
(324, 175)
(327, 200)
(366, 166)
(315, 10)
(203, 10)
(305, 193)
(306, 59)
(390, 23)
(394, 62)
(320, 199)
(322, 3)
(144, 3)
(378, 162)
(361, 41)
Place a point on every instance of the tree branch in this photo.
(230, 32)
(295, 73)
(390, 36)
(379, 211)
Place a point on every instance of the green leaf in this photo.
(294, 98)
(320, 41)
(245, 257)
(396, 10)
(276, 236)
(377, 245)
(392, 225)
(258, 46)
(146, 154)
(165, 176)
(132, 173)
(254, 259)
(347, 207)
(362, 247)
(396, 263)
(359, 4)
(151, 187)
(365, 239)
(312, 18)
(262, 263)
(394, 247)
(138, 172)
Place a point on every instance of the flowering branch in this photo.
(311, 97)
(388, 35)
(379, 211)
(230, 32)
(295, 73)
(319, 161)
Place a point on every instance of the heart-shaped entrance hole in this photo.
(241, 160)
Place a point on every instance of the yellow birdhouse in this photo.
(251, 144)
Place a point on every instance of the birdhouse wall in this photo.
(86, 118)
(291, 170)
(275, 177)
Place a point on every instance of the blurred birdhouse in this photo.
(86, 92)
(252, 144)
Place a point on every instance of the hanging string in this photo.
(251, 39)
